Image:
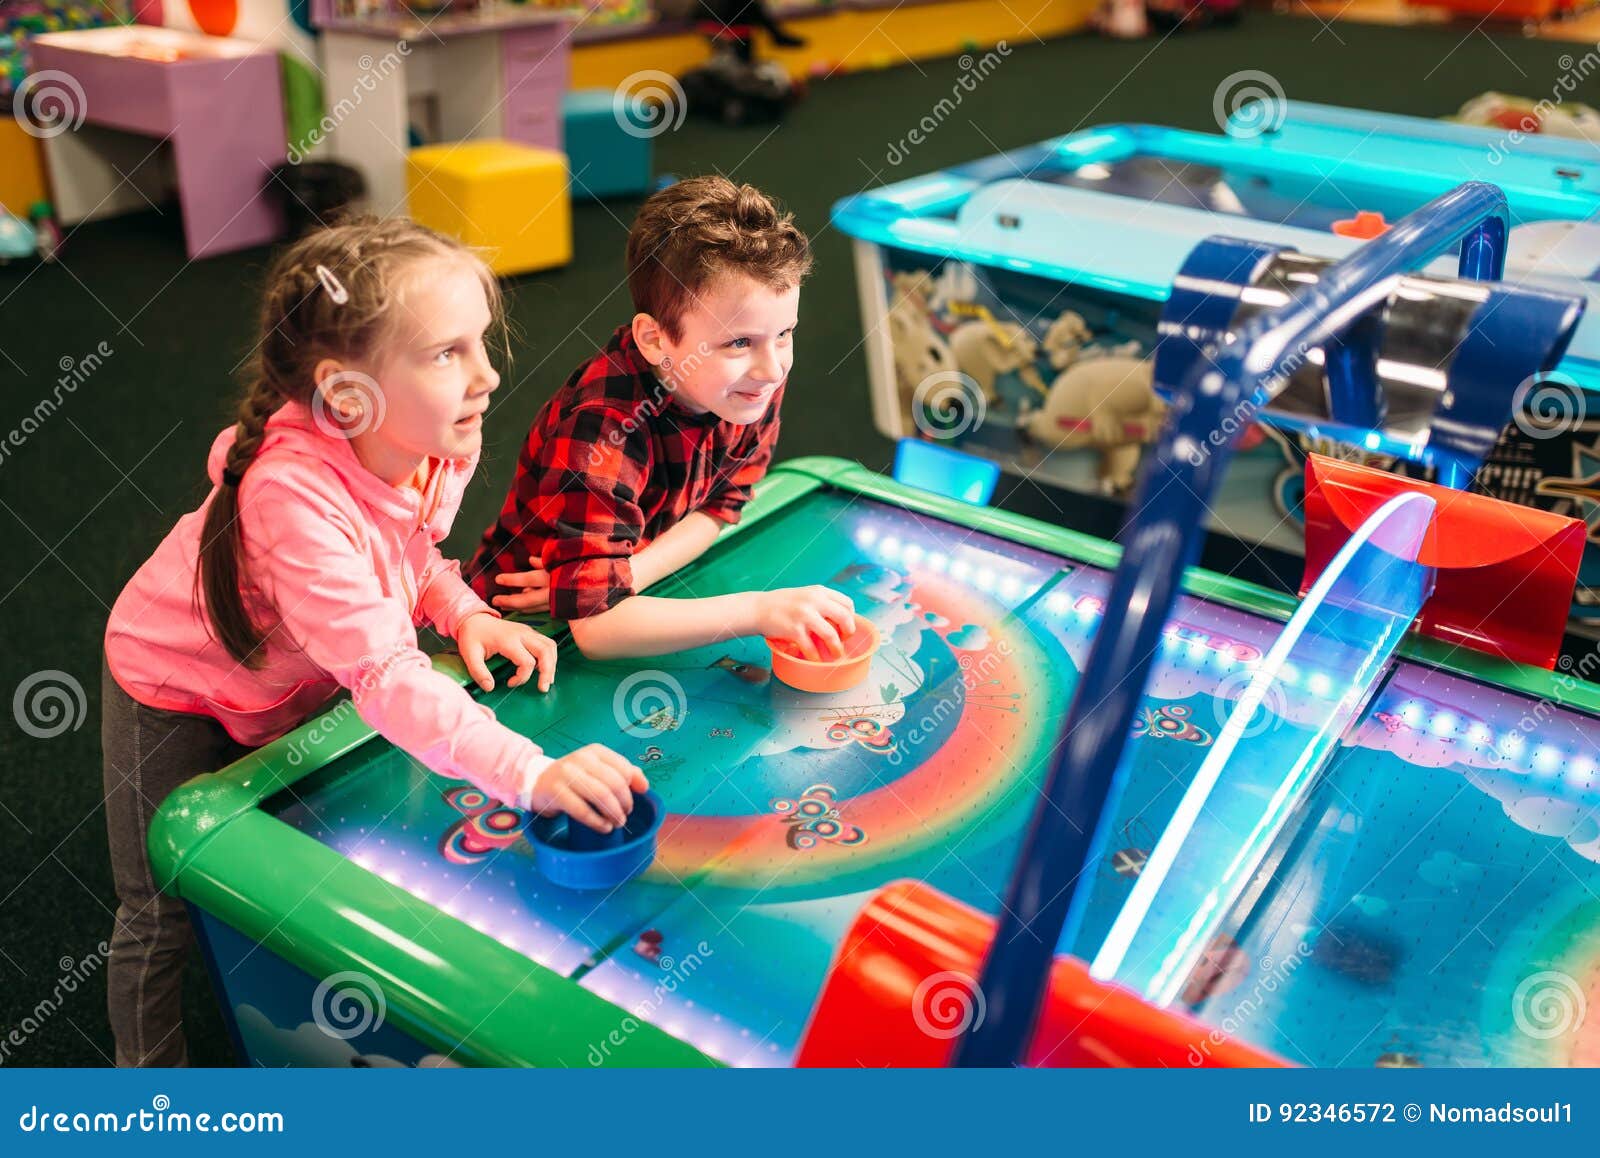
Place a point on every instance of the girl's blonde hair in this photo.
(335, 293)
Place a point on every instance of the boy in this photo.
(655, 443)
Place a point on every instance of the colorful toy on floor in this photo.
(610, 147)
(46, 233)
(734, 86)
(17, 241)
(509, 199)
(739, 92)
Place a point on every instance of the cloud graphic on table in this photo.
(1445, 870)
(935, 620)
(1534, 809)
(969, 637)
(1369, 905)
(887, 588)
(306, 1044)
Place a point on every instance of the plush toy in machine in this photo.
(1129, 349)
(1065, 339)
(920, 350)
(1108, 403)
(998, 356)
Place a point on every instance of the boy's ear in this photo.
(650, 338)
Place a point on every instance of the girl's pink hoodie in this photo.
(347, 566)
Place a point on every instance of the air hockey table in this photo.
(355, 909)
(1098, 223)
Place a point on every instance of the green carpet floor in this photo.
(89, 494)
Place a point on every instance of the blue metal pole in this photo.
(1174, 495)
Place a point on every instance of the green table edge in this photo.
(213, 824)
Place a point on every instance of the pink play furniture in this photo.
(490, 70)
(216, 102)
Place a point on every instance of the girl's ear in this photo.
(334, 390)
(650, 338)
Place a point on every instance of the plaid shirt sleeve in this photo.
(748, 460)
(581, 497)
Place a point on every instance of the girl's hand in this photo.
(481, 635)
(593, 785)
(533, 592)
(796, 614)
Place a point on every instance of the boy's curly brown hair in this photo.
(689, 234)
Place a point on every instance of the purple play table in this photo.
(217, 102)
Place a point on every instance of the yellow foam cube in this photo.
(21, 169)
(510, 200)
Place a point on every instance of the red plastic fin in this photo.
(903, 988)
(1504, 573)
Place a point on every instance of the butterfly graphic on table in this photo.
(863, 730)
(1169, 722)
(814, 818)
(486, 826)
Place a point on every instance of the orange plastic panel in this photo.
(1504, 573)
(902, 990)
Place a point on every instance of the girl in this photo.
(308, 568)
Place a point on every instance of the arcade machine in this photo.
(1011, 305)
(1242, 775)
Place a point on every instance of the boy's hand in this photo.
(593, 785)
(796, 614)
(481, 635)
(533, 593)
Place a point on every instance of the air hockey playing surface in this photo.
(1437, 893)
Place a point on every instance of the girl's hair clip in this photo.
(333, 285)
